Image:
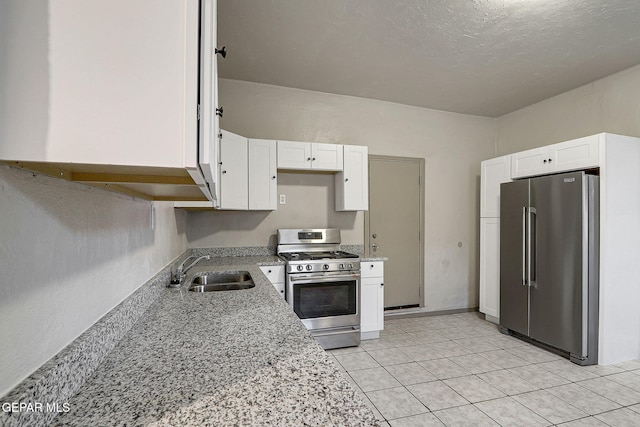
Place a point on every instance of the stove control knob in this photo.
(325, 267)
(341, 266)
(309, 267)
(350, 265)
(300, 267)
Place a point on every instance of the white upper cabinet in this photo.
(327, 157)
(352, 184)
(209, 120)
(247, 173)
(234, 172)
(120, 97)
(263, 177)
(576, 154)
(493, 173)
(309, 155)
(294, 155)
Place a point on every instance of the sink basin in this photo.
(223, 281)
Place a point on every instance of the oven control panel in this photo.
(312, 267)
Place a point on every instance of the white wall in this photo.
(452, 144)
(309, 194)
(69, 253)
(606, 105)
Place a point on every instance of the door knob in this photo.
(219, 111)
(374, 247)
(374, 235)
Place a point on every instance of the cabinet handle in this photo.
(308, 159)
(313, 159)
(222, 52)
(544, 161)
(549, 160)
(224, 171)
(346, 179)
(269, 271)
(381, 284)
(219, 111)
(273, 177)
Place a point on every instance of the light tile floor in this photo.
(458, 370)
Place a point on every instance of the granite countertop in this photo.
(372, 259)
(218, 358)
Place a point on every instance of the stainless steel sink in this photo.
(223, 281)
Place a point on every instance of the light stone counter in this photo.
(373, 259)
(218, 358)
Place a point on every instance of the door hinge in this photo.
(198, 112)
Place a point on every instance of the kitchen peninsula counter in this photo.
(218, 358)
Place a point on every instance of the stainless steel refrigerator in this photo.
(549, 262)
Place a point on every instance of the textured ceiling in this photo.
(482, 57)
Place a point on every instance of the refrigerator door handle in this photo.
(524, 246)
(532, 250)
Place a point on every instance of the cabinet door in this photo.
(352, 185)
(294, 155)
(530, 162)
(209, 121)
(263, 178)
(578, 153)
(372, 304)
(234, 174)
(104, 100)
(372, 296)
(326, 156)
(493, 173)
(490, 266)
(275, 274)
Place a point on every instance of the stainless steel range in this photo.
(322, 284)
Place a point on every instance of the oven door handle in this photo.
(335, 331)
(327, 277)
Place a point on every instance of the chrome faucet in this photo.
(177, 277)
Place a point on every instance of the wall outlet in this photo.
(283, 199)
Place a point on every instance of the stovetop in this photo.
(313, 256)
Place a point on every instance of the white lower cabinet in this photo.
(371, 299)
(490, 268)
(275, 274)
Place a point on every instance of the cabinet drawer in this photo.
(372, 269)
(275, 273)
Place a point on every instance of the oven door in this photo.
(325, 300)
